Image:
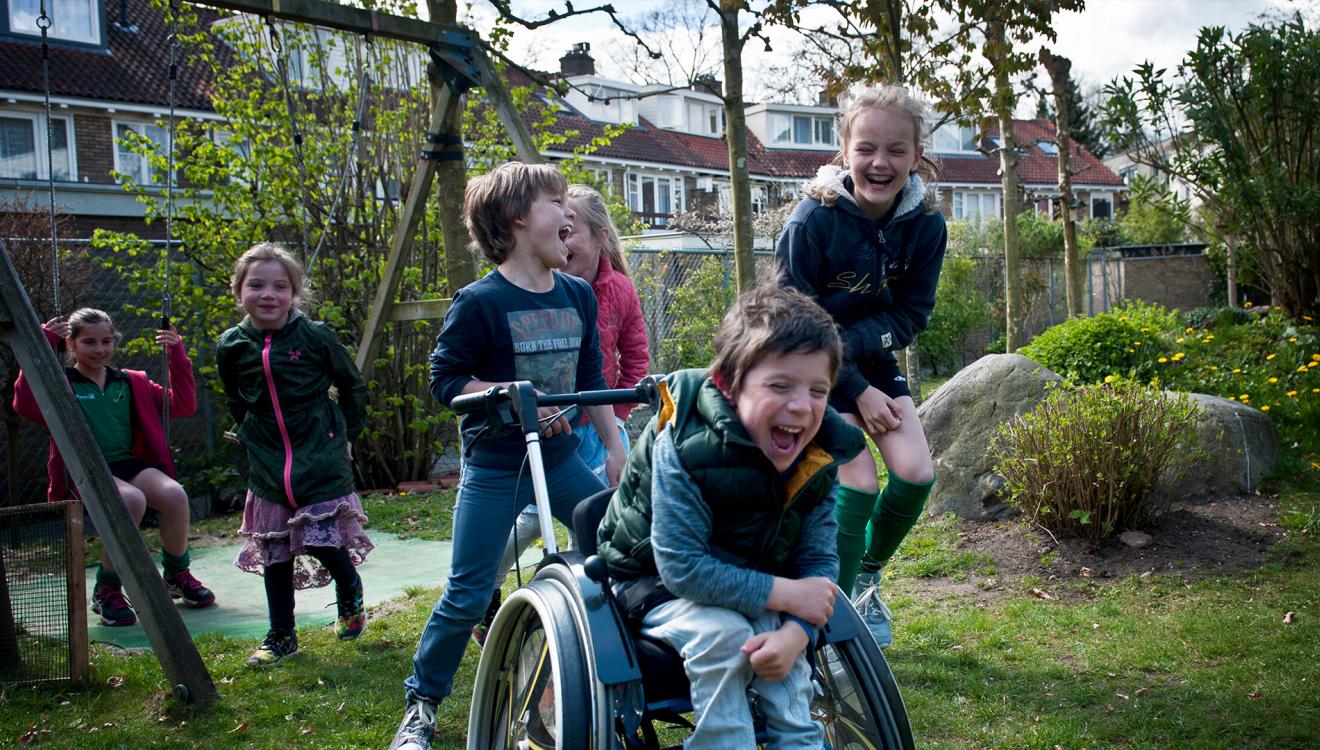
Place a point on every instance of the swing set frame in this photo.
(459, 63)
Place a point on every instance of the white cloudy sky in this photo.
(1106, 40)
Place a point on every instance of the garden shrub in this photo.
(960, 309)
(1096, 459)
(1125, 341)
(1208, 317)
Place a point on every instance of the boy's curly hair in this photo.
(494, 200)
(771, 319)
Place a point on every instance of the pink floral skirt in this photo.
(276, 533)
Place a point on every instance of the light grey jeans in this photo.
(710, 640)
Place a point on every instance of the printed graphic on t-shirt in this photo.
(545, 347)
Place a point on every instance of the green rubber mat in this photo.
(240, 608)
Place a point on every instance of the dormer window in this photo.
(71, 20)
(953, 138)
(801, 130)
(705, 118)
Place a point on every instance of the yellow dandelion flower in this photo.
(1190, 330)
(1307, 318)
(1270, 356)
(1291, 394)
(1178, 356)
(1110, 378)
(1266, 407)
(1179, 340)
(1209, 337)
(1315, 390)
(1302, 368)
(1214, 368)
(1145, 330)
(1131, 350)
(1272, 380)
(1162, 360)
(1315, 357)
(1315, 466)
(1136, 343)
(1245, 397)
(1237, 370)
(1312, 363)
(1232, 398)
(1292, 340)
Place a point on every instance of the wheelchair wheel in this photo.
(535, 687)
(857, 700)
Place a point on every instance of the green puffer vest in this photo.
(756, 516)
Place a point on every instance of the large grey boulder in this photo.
(960, 420)
(1241, 444)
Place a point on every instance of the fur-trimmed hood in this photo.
(828, 186)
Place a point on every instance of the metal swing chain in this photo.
(165, 301)
(359, 112)
(280, 69)
(44, 23)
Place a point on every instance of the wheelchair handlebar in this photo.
(646, 391)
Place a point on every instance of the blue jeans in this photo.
(483, 515)
(709, 640)
(592, 450)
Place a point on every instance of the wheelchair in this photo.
(562, 668)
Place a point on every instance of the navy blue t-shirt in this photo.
(498, 332)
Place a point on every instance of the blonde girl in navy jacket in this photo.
(867, 243)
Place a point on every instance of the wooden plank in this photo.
(77, 588)
(169, 638)
(335, 16)
(500, 98)
(422, 309)
(404, 233)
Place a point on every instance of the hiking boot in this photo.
(352, 615)
(482, 628)
(278, 646)
(183, 585)
(872, 609)
(114, 608)
(414, 732)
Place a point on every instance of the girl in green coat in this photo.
(302, 519)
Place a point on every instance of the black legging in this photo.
(279, 583)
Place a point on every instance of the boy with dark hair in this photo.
(522, 321)
(722, 530)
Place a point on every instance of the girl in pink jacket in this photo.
(123, 410)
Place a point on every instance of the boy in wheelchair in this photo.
(722, 531)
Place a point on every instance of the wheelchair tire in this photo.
(535, 686)
(857, 699)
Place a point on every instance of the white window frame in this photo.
(24, 21)
(962, 130)
(1106, 197)
(959, 204)
(40, 145)
(636, 182)
(784, 132)
(141, 127)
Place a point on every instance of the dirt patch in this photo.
(1193, 540)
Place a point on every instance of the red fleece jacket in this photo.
(148, 432)
(625, 356)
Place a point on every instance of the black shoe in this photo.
(114, 608)
(278, 646)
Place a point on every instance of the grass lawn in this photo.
(1165, 661)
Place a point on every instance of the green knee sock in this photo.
(899, 509)
(107, 577)
(852, 510)
(175, 565)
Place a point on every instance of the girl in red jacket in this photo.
(123, 410)
(596, 255)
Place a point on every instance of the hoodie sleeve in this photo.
(348, 381)
(898, 324)
(183, 386)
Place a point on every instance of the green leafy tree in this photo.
(960, 309)
(1237, 123)
(1153, 217)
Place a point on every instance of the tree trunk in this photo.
(1004, 100)
(1230, 254)
(1059, 69)
(451, 181)
(735, 133)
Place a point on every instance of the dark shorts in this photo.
(128, 468)
(881, 373)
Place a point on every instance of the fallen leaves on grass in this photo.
(115, 680)
(242, 727)
(1042, 595)
(1288, 618)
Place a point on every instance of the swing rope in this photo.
(364, 87)
(281, 65)
(169, 217)
(44, 23)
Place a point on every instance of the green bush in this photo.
(1125, 341)
(1097, 459)
(1209, 317)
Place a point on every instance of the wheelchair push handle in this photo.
(520, 396)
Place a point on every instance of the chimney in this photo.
(826, 99)
(709, 84)
(578, 61)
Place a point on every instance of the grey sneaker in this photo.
(418, 725)
(872, 608)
